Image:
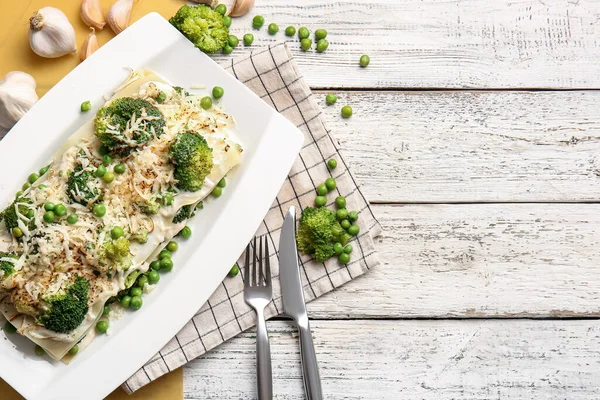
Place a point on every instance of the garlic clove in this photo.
(51, 34)
(91, 14)
(89, 46)
(119, 15)
(17, 96)
(240, 8)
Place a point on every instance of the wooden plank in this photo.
(450, 44)
(414, 360)
(478, 261)
(471, 146)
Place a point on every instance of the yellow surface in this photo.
(16, 55)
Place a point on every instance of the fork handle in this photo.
(263, 359)
(310, 369)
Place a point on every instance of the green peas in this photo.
(39, 351)
(172, 246)
(19, 193)
(49, 217)
(72, 219)
(108, 177)
(167, 199)
(332, 163)
(166, 264)
(30, 214)
(344, 258)
(44, 170)
(364, 60)
(345, 224)
(100, 171)
(330, 99)
(258, 21)
(60, 210)
(320, 34)
(248, 39)
(155, 265)
(135, 291)
(305, 44)
(126, 301)
(162, 96)
(221, 9)
(234, 270)
(106, 310)
(273, 28)
(106, 159)
(153, 277)
(74, 350)
(86, 106)
(233, 41)
(330, 183)
(49, 206)
(26, 186)
(227, 20)
(218, 92)
(227, 49)
(353, 216)
(341, 214)
(290, 31)
(346, 111)
(17, 232)
(103, 150)
(217, 191)
(102, 327)
(33, 177)
(303, 33)
(320, 201)
(322, 45)
(42, 186)
(348, 249)
(119, 168)
(9, 328)
(116, 232)
(338, 248)
(164, 254)
(353, 229)
(136, 302)
(222, 183)
(99, 210)
(206, 102)
(186, 232)
(322, 189)
(142, 281)
(344, 238)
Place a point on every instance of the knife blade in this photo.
(294, 305)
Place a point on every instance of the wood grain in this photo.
(414, 360)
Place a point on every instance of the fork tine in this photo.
(247, 266)
(254, 264)
(260, 263)
(267, 262)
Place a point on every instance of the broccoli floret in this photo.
(7, 266)
(140, 237)
(116, 252)
(113, 124)
(318, 230)
(131, 278)
(184, 213)
(150, 207)
(80, 186)
(10, 214)
(203, 26)
(66, 311)
(193, 160)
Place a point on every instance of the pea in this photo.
(164, 254)
(72, 219)
(49, 206)
(116, 232)
(136, 302)
(99, 210)
(172, 246)
(42, 186)
(168, 199)
(305, 44)
(162, 96)
(142, 280)
(221, 9)
(86, 106)
(218, 92)
(338, 248)
(258, 21)
(233, 41)
(290, 31)
(186, 232)
(153, 277)
(344, 258)
(227, 20)
(330, 183)
(39, 351)
(330, 99)
(9, 328)
(322, 45)
(344, 238)
(346, 111)
(248, 39)
(74, 350)
(106, 310)
(341, 214)
(364, 60)
(103, 150)
(234, 270)
(332, 164)
(100, 171)
(303, 33)
(166, 264)
(17, 232)
(49, 217)
(60, 210)
(206, 102)
(33, 177)
(106, 159)
(135, 291)
(322, 189)
(126, 301)
(353, 216)
(26, 186)
(19, 193)
(320, 201)
(217, 191)
(30, 214)
(345, 224)
(320, 34)
(273, 28)
(108, 177)
(353, 229)
(337, 230)
(102, 326)
(227, 49)
(44, 170)
(155, 265)
(119, 168)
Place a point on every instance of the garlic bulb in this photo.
(17, 96)
(89, 46)
(91, 14)
(119, 15)
(240, 7)
(51, 34)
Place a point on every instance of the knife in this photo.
(294, 305)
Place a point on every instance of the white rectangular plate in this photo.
(220, 232)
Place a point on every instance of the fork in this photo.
(257, 294)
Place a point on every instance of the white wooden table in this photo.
(476, 134)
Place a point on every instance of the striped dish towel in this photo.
(273, 75)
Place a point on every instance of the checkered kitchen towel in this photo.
(273, 75)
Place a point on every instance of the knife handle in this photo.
(263, 361)
(310, 369)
